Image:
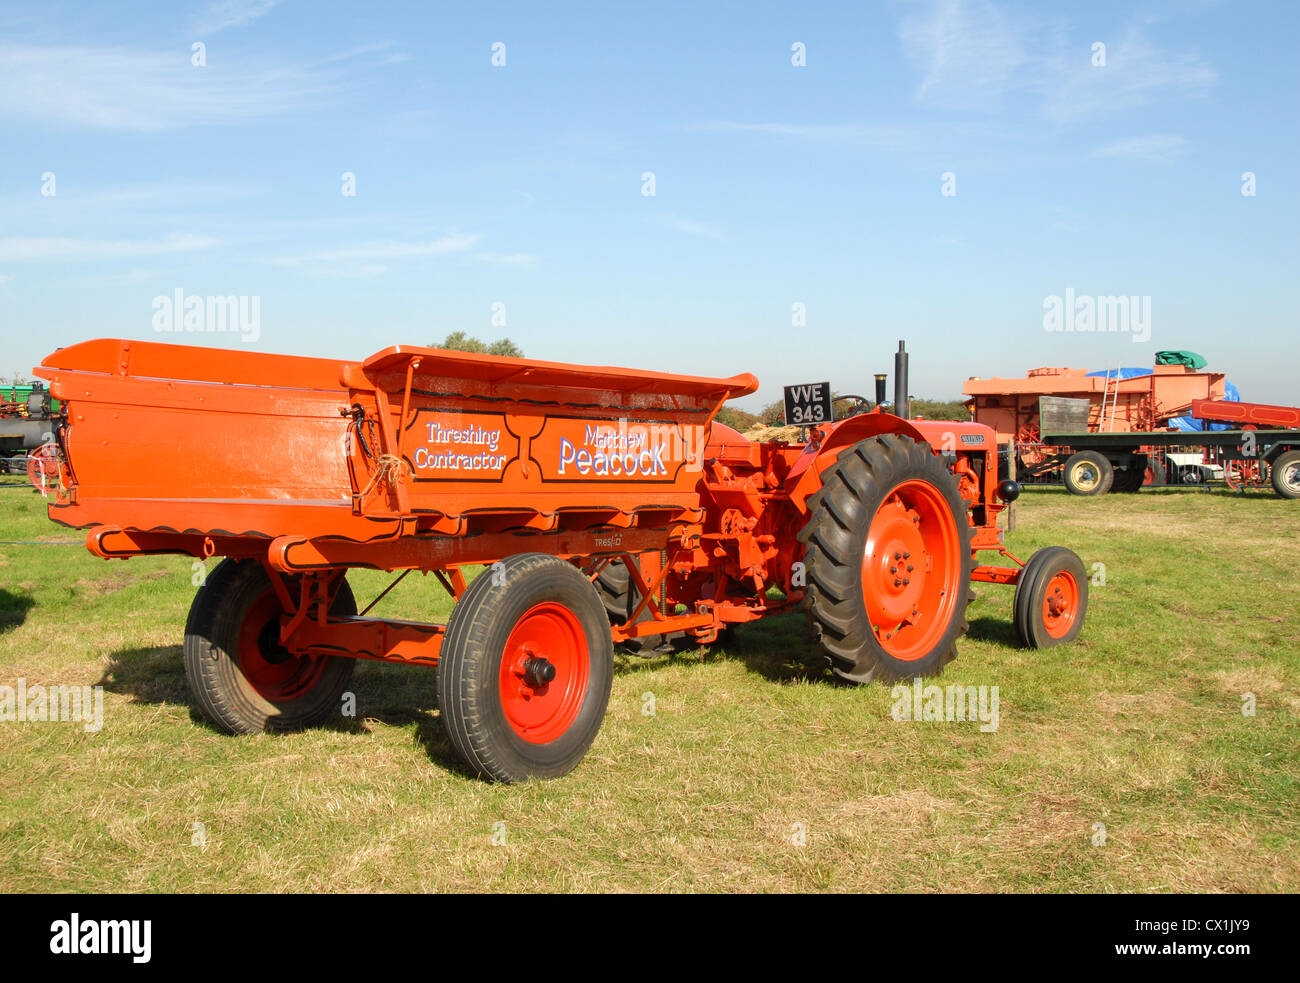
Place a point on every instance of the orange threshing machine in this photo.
(607, 503)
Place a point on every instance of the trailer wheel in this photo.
(244, 681)
(1286, 474)
(888, 561)
(1089, 473)
(1051, 598)
(526, 669)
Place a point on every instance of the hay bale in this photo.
(761, 434)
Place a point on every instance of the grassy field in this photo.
(757, 772)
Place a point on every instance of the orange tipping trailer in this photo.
(607, 503)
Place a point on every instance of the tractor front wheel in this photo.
(526, 669)
(243, 679)
(888, 561)
(1051, 598)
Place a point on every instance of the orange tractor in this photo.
(607, 504)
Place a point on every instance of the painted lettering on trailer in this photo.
(569, 449)
(465, 446)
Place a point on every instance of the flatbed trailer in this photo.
(1094, 463)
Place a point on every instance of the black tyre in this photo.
(526, 669)
(887, 561)
(244, 681)
(1286, 474)
(1051, 599)
(1130, 479)
(1088, 473)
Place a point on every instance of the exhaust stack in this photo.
(901, 407)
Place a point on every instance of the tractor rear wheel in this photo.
(1089, 473)
(1286, 474)
(1051, 598)
(887, 561)
(243, 679)
(526, 669)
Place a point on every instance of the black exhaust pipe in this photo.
(900, 382)
(880, 387)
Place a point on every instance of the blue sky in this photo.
(522, 185)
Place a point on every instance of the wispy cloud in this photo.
(352, 261)
(1163, 147)
(23, 248)
(969, 54)
(226, 14)
(123, 89)
(1136, 73)
(963, 48)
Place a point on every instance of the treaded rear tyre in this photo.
(242, 680)
(504, 726)
(862, 496)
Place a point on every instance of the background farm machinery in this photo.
(606, 504)
(1121, 429)
(27, 418)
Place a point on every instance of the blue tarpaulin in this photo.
(1190, 424)
(1130, 373)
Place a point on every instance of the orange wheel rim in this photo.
(1061, 604)
(544, 673)
(272, 670)
(911, 570)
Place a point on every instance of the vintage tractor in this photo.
(605, 502)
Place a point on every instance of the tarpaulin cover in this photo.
(1181, 357)
(1128, 373)
(1189, 423)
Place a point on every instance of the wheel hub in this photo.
(1060, 605)
(538, 672)
(911, 570)
(544, 671)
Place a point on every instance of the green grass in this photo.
(1137, 726)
